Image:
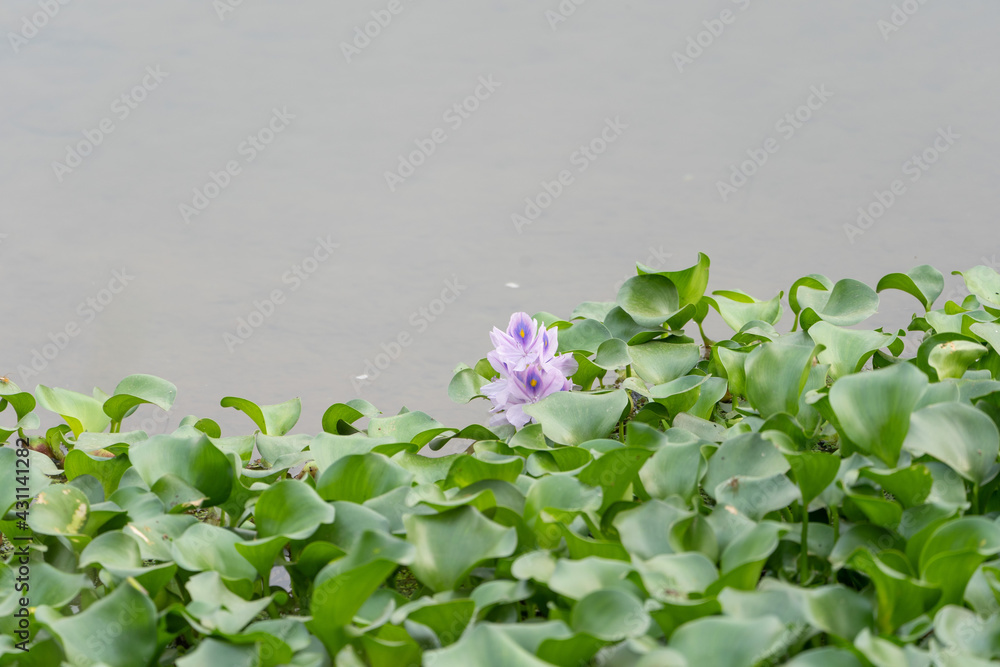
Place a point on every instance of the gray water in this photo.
(200, 78)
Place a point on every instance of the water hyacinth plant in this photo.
(529, 369)
(823, 494)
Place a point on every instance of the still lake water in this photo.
(213, 153)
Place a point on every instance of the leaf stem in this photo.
(804, 549)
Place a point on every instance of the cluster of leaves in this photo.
(811, 498)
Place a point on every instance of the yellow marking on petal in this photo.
(534, 382)
(522, 333)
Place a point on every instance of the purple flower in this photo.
(525, 357)
(564, 363)
(519, 346)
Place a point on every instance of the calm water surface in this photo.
(258, 199)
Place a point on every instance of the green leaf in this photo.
(848, 303)
(404, 427)
(814, 281)
(988, 331)
(658, 362)
(559, 498)
(135, 390)
(814, 471)
(959, 435)
(954, 551)
(190, 458)
(690, 282)
(292, 509)
(571, 418)
(467, 470)
(960, 629)
(59, 510)
(595, 310)
(107, 471)
(262, 553)
(925, 283)
(952, 358)
(899, 598)
(216, 607)
(46, 585)
(611, 615)
(645, 530)
(575, 579)
(649, 299)
(205, 547)
(270, 419)
(484, 646)
(734, 364)
(739, 309)
(118, 630)
(10, 469)
(209, 427)
(446, 619)
(875, 507)
(910, 486)
(23, 403)
(212, 653)
(585, 335)
(777, 373)
(745, 640)
(846, 350)
(614, 472)
(465, 385)
(984, 282)
(668, 575)
(361, 477)
(757, 496)
(746, 455)
(441, 566)
(119, 555)
(612, 353)
(674, 469)
(873, 409)
(751, 548)
(350, 412)
(81, 412)
(827, 656)
(675, 396)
